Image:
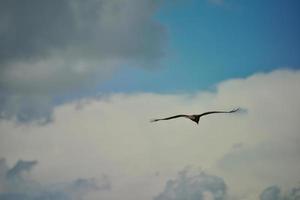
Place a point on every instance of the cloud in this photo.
(270, 193)
(190, 185)
(15, 185)
(262, 156)
(275, 193)
(112, 135)
(200, 186)
(19, 168)
(50, 47)
(26, 108)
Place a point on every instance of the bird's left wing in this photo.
(167, 118)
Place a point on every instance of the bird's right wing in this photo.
(213, 112)
(167, 118)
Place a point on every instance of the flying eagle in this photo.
(195, 118)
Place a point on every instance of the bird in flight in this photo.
(195, 118)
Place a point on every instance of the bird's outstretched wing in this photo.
(213, 112)
(167, 118)
(195, 118)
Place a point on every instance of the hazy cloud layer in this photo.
(16, 184)
(200, 186)
(112, 134)
(49, 47)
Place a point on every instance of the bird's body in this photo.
(195, 117)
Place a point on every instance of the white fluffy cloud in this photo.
(112, 135)
(53, 46)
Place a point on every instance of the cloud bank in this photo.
(112, 134)
(51, 47)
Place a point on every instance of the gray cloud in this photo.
(270, 193)
(14, 185)
(20, 167)
(275, 193)
(25, 108)
(92, 29)
(200, 186)
(53, 46)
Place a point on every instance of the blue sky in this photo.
(137, 46)
(208, 43)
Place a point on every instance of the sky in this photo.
(80, 80)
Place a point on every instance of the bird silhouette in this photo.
(195, 117)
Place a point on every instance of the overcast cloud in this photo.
(53, 46)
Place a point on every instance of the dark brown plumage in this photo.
(195, 118)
